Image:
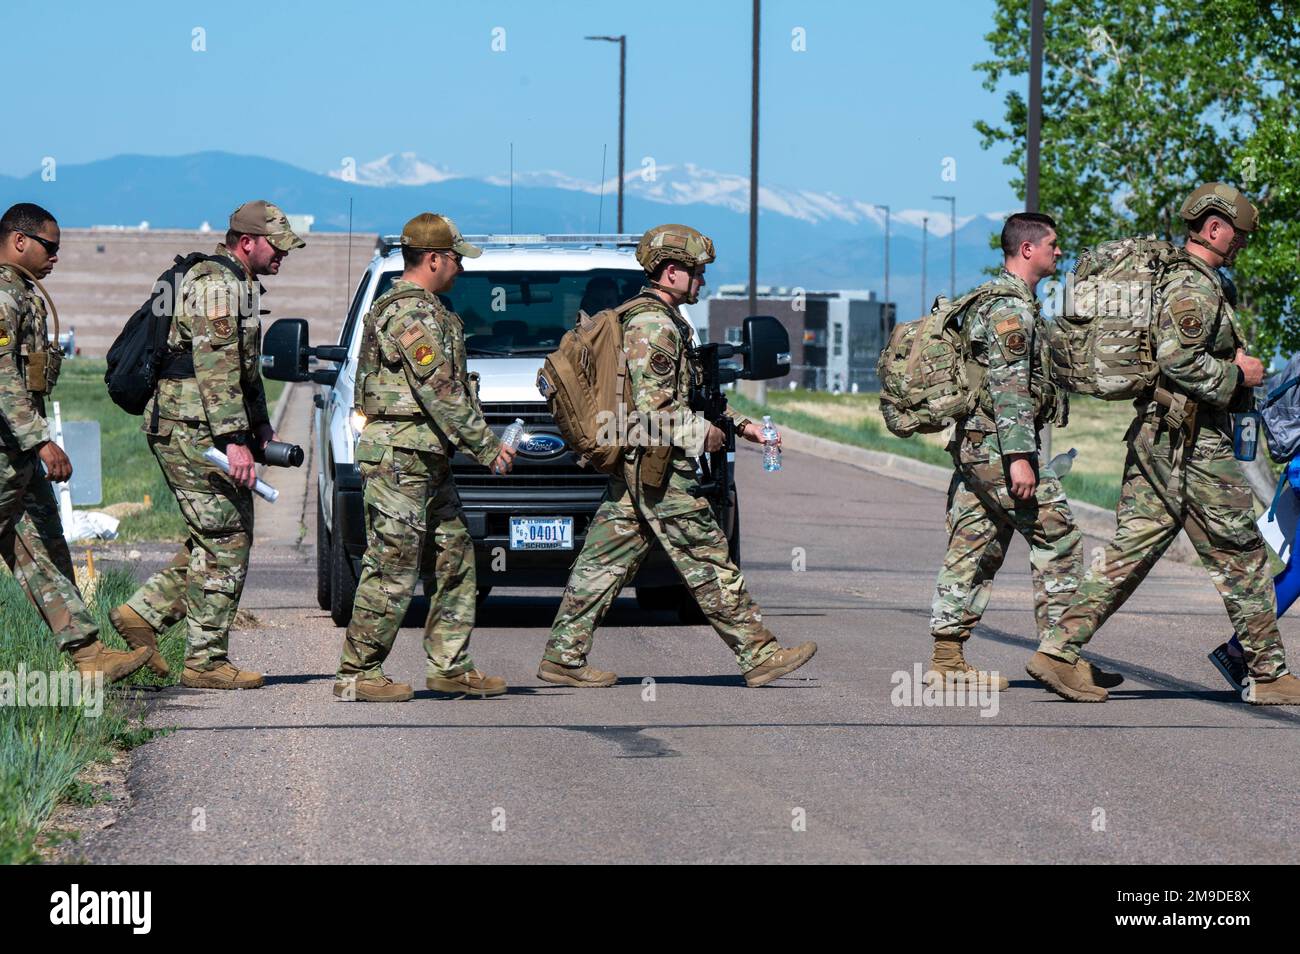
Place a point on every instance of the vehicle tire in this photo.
(343, 583)
(660, 598)
(322, 559)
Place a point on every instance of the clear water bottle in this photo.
(513, 434)
(1245, 436)
(771, 452)
(1062, 463)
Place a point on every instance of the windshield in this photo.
(514, 312)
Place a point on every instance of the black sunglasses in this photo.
(51, 248)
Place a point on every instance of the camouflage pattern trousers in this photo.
(618, 539)
(414, 522)
(205, 580)
(1213, 503)
(982, 519)
(33, 547)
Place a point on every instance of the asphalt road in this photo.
(818, 767)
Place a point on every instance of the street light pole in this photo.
(760, 387)
(1034, 135)
(621, 40)
(952, 261)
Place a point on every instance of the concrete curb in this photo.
(281, 404)
(1096, 522)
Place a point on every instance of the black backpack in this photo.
(139, 357)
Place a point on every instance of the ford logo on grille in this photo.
(542, 445)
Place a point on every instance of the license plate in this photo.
(541, 533)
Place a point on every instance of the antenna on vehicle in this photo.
(512, 188)
(347, 289)
(600, 216)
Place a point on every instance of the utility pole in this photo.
(760, 387)
(1034, 135)
(925, 241)
(621, 40)
(886, 208)
(952, 263)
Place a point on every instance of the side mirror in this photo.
(766, 348)
(285, 354)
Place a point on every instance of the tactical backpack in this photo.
(586, 386)
(1101, 344)
(139, 357)
(928, 377)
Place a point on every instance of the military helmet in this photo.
(1223, 200)
(674, 243)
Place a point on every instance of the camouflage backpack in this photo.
(1101, 342)
(928, 378)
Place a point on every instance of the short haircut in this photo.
(662, 267)
(1025, 227)
(413, 257)
(1198, 223)
(24, 217)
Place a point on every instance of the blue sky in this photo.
(881, 96)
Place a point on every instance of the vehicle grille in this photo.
(560, 472)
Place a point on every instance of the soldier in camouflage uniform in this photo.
(31, 534)
(414, 389)
(1180, 472)
(657, 339)
(999, 487)
(210, 395)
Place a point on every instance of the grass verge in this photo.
(43, 748)
(1096, 430)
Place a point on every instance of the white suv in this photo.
(516, 300)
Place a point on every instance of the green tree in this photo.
(1142, 103)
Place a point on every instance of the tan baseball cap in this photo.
(260, 217)
(429, 230)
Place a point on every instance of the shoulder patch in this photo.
(1007, 324)
(1017, 343)
(222, 327)
(410, 335)
(1190, 326)
(660, 363)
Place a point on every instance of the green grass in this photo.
(43, 748)
(1096, 429)
(130, 470)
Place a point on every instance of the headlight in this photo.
(357, 421)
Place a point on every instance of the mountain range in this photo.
(810, 239)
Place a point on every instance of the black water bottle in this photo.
(1245, 435)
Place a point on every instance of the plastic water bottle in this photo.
(513, 434)
(771, 453)
(1245, 436)
(1062, 463)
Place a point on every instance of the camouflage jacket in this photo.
(658, 339)
(1195, 337)
(412, 380)
(22, 328)
(1007, 338)
(218, 319)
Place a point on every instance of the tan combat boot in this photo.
(583, 677)
(96, 657)
(374, 689)
(224, 676)
(949, 665)
(138, 633)
(1068, 680)
(1282, 691)
(472, 683)
(780, 663)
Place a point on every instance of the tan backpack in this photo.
(1101, 342)
(584, 382)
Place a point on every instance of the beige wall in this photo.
(103, 275)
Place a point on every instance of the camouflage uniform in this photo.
(656, 338)
(218, 320)
(1186, 478)
(31, 534)
(1007, 340)
(413, 385)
